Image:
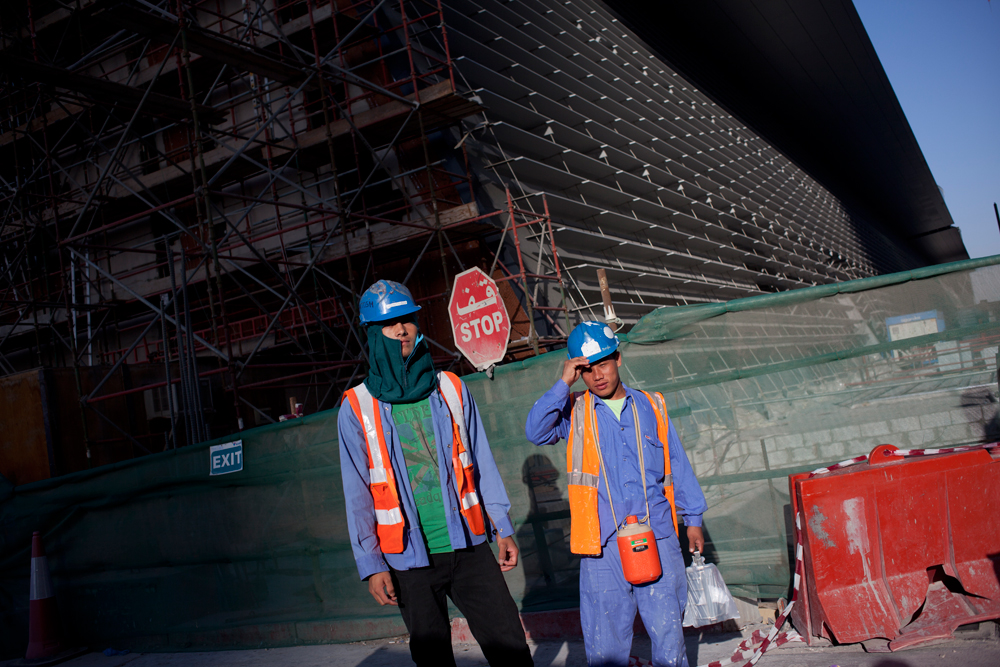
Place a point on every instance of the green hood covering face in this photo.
(393, 379)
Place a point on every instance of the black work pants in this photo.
(472, 579)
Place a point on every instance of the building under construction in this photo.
(195, 193)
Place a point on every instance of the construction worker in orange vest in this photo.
(623, 458)
(423, 492)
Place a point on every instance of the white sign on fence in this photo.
(226, 458)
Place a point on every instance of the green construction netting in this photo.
(155, 553)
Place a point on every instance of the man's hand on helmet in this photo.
(573, 368)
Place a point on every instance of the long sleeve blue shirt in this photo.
(549, 421)
(361, 508)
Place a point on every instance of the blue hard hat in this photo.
(386, 300)
(593, 340)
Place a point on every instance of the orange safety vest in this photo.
(382, 481)
(583, 469)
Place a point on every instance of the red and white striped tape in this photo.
(838, 466)
(904, 452)
(773, 638)
(748, 645)
(943, 450)
(743, 651)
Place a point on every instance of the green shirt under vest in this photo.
(616, 405)
(415, 427)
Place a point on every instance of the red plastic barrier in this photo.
(901, 549)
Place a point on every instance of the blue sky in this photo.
(943, 60)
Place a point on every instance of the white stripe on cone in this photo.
(44, 631)
(41, 582)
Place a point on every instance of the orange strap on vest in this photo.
(465, 473)
(663, 434)
(583, 467)
(382, 481)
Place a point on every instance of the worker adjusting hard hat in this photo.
(625, 469)
(423, 493)
(592, 340)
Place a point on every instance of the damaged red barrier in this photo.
(904, 549)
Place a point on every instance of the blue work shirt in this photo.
(361, 508)
(549, 421)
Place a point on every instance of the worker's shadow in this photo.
(980, 404)
(551, 571)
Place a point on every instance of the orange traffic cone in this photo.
(44, 633)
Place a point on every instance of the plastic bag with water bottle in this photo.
(708, 600)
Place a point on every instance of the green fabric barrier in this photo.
(156, 554)
(664, 323)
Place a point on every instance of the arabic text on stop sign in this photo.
(488, 323)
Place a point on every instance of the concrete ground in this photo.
(973, 649)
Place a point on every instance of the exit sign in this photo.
(226, 458)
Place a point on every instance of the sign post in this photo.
(479, 320)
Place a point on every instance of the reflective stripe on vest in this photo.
(583, 469)
(382, 483)
(465, 474)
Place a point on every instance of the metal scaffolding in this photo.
(197, 191)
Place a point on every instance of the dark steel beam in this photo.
(211, 45)
(107, 92)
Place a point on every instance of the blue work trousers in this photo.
(608, 604)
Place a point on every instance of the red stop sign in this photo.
(479, 319)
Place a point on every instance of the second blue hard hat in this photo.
(593, 340)
(385, 300)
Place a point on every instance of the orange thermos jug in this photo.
(637, 546)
